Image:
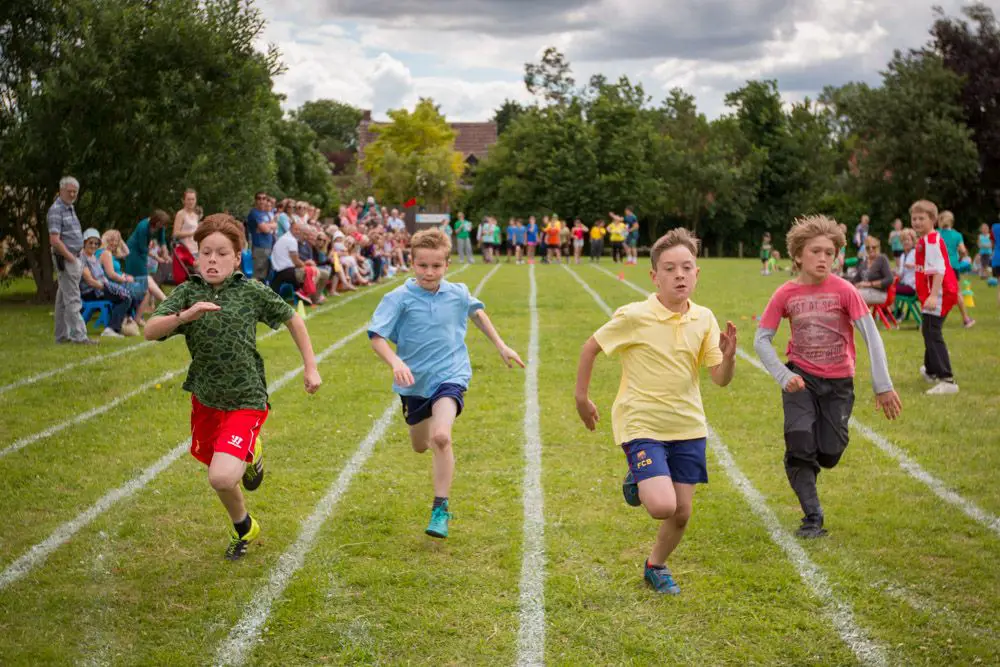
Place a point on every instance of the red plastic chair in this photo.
(183, 265)
(883, 311)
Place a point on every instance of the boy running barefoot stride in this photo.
(657, 416)
(818, 381)
(217, 313)
(426, 318)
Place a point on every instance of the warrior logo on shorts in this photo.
(236, 441)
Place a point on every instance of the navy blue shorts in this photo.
(418, 408)
(681, 460)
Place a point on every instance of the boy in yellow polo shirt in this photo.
(657, 416)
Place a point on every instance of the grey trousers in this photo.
(261, 263)
(465, 250)
(69, 322)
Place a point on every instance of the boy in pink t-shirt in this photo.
(818, 381)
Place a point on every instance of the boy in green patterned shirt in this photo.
(217, 312)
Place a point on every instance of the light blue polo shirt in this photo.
(428, 329)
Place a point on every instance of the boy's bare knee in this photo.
(682, 515)
(441, 440)
(420, 447)
(660, 510)
(222, 480)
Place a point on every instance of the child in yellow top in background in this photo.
(657, 416)
(597, 234)
(616, 234)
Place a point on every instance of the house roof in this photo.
(470, 138)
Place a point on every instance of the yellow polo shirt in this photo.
(597, 233)
(617, 230)
(661, 352)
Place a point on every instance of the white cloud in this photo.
(469, 58)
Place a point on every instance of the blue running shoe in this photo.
(661, 580)
(438, 527)
(630, 489)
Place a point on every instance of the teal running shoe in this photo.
(630, 489)
(661, 580)
(438, 527)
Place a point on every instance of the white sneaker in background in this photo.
(942, 388)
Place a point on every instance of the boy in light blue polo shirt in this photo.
(426, 318)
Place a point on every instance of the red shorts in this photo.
(232, 432)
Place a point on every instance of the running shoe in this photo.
(630, 489)
(438, 526)
(811, 528)
(254, 474)
(238, 545)
(661, 579)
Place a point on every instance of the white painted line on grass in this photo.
(334, 302)
(839, 612)
(244, 636)
(910, 466)
(37, 554)
(246, 633)
(84, 416)
(531, 631)
(23, 382)
(590, 290)
(101, 409)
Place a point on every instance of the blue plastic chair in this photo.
(103, 308)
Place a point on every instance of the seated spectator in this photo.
(907, 268)
(285, 261)
(874, 274)
(111, 253)
(312, 278)
(95, 285)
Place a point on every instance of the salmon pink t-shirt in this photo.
(821, 317)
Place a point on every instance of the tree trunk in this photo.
(38, 254)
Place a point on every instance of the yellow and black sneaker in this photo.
(254, 474)
(238, 545)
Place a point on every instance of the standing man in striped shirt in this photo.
(66, 239)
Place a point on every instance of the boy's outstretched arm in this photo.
(297, 327)
(484, 324)
(722, 374)
(584, 406)
(886, 399)
(401, 373)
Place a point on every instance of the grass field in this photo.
(112, 540)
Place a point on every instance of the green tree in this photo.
(335, 124)
(302, 171)
(138, 100)
(414, 156)
(971, 49)
(550, 78)
(508, 112)
(909, 138)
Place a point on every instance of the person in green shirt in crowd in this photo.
(217, 312)
(957, 251)
(463, 231)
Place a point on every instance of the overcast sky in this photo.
(469, 55)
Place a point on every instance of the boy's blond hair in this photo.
(946, 219)
(926, 207)
(431, 239)
(671, 239)
(809, 227)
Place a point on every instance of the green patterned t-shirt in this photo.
(226, 371)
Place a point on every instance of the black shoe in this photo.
(811, 528)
